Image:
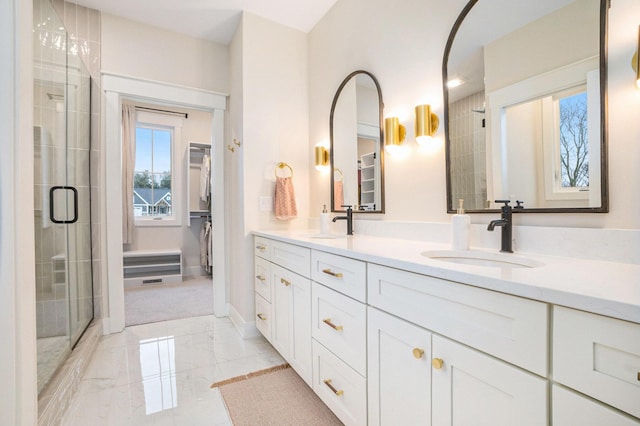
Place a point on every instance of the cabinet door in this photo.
(399, 371)
(281, 280)
(300, 329)
(472, 388)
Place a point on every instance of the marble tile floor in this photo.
(160, 373)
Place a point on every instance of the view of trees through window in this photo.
(152, 171)
(574, 141)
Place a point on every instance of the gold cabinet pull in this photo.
(334, 390)
(332, 325)
(285, 282)
(262, 317)
(261, 247)
(437, 363)
(639, 376)
(260, 277)
(333, 274)
(418, 353)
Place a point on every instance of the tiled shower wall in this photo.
(468, 151)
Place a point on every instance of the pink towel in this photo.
(338, 195)
(285, 199)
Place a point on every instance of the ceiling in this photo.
(214, 20)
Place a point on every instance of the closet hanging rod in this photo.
(163, 111)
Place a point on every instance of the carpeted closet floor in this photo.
(154, 303)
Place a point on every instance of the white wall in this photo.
(402, 44)
(269, 72)
(135, 49)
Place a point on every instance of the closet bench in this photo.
(141, 267)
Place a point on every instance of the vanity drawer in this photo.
(262, 279)
(569, 408)
(348, 276)
(508, 327)
(291, 257)
(340, 323)
(261, 247)
(263, 317)
(598, 356)
(341, 388)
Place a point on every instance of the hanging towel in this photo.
(285, 199)
(338, 195)
(205, 178)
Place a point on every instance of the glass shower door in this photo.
(64, 300)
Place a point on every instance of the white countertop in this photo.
(606, 288)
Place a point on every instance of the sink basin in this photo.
(482, 258)
(327, 236)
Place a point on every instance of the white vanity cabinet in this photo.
(390, 346)
(598, 356)
(283, 301)
(399, 365)
(447, 382)
(472, 388)
(339, 330)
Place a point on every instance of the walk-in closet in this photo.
(167, 256)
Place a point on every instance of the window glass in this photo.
(152, 175)
(574, 141)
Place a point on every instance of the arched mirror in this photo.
(525, 105)
(357, 166)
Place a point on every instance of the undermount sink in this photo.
(327, 236)
(482, 258)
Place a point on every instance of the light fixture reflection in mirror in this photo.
(635, 61)
(426, 124)
(394, 134)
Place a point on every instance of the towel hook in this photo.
(337, 170)
(282, 166)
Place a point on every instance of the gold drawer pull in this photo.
(262, 317)
(260, 277)
(261, 247)
(418, 353)
(437, 363)
(285, 282)
(333, 274)
(332, 325)
(334, 390)
(639, 376)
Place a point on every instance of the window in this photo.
(573, 141)
(155, 175)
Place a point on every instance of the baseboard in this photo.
(246, 329)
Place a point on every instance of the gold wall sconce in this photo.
(322, 158)
(635, 61)
(427, 124)
(394, 134)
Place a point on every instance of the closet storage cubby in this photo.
(196, 206)
(142, 267)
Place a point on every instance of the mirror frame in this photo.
(381, 142)
(604, 207)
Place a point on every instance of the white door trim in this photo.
(117, 87)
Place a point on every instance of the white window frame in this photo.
(175, 124)
(539, 87)
(553, 188)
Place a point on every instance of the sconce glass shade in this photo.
(394, 134)
(427, 123)
(322, 157)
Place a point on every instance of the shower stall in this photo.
(62, 215)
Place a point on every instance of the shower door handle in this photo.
(52, 207)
